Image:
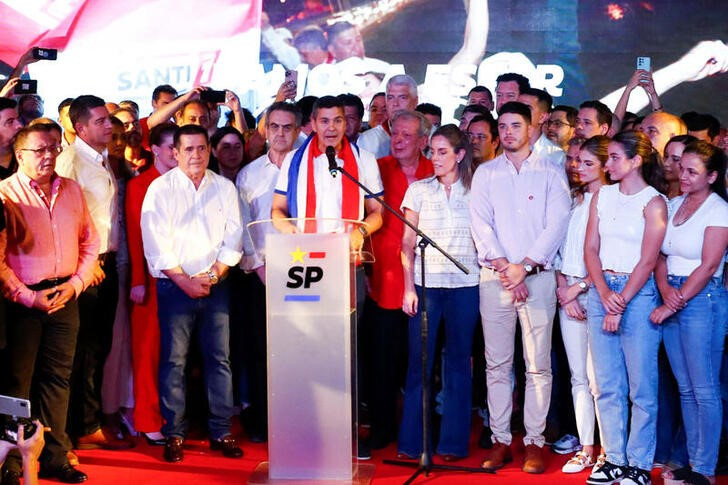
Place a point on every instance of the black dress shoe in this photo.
(173, 451)
(11, 477)
(66, 474)
(153, 442)
(228, 446)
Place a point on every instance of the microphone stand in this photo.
(425, 464)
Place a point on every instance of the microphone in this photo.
(331, 155)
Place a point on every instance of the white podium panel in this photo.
(309, 357)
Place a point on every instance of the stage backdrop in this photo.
(575, 50)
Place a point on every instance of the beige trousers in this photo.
(536, 316)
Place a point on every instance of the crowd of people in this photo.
(591, 237)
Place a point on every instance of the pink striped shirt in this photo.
(45, 238)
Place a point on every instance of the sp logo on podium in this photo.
(308, 273)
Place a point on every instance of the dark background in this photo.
(597, 52)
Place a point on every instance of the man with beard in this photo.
(519, 210)
(86, 162)
(10, 125)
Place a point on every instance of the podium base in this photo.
(362, 474)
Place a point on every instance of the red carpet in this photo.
(144, 465)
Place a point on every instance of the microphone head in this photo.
(330, 151)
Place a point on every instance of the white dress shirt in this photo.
(519, 214)
(546, 148)
(188, 227)
(375, 140)
(91, 170)
(255, 183)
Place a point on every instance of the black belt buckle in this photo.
(49, 283)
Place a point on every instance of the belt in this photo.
(49, 283)
(107, 256)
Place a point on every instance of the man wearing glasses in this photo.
(560, 125)
(47, 259)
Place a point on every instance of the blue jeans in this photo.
(458, 308)
(694, 339)
(625, 369)
(178, 316)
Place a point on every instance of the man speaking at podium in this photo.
(307, 189)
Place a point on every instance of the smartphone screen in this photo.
(26, 86)
(212, 96)
(45, 54)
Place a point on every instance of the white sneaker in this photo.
(577, 463)
(600, 461)
(607, 474)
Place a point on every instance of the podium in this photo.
(311, 330)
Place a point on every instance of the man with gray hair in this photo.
(386, 323)
(401, 94)
(255, 183)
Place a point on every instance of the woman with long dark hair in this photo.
(439, 206)
(623, 238)
(695, 307)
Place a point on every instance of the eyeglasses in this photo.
(477, 136)
(557, 123)
(51, 150)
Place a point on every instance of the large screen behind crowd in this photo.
(575, 50)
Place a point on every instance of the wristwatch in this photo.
(583, 286)
(213, 277)
(528, 267)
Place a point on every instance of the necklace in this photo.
(687, 209)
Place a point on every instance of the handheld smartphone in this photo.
(292, 78)
(45, 54)
(212, 96)
(644, 63)
(26, 86)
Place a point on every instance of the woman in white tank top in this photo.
(624, 233)
(695, 308)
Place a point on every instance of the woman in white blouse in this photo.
(623, 238)
(695, 306)
(439, 206)
(572, 284)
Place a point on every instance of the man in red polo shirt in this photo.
(386, 323)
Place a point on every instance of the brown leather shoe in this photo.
(533, 461)
(102, 440)
(497, 456)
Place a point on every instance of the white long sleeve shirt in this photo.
(188, 227)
